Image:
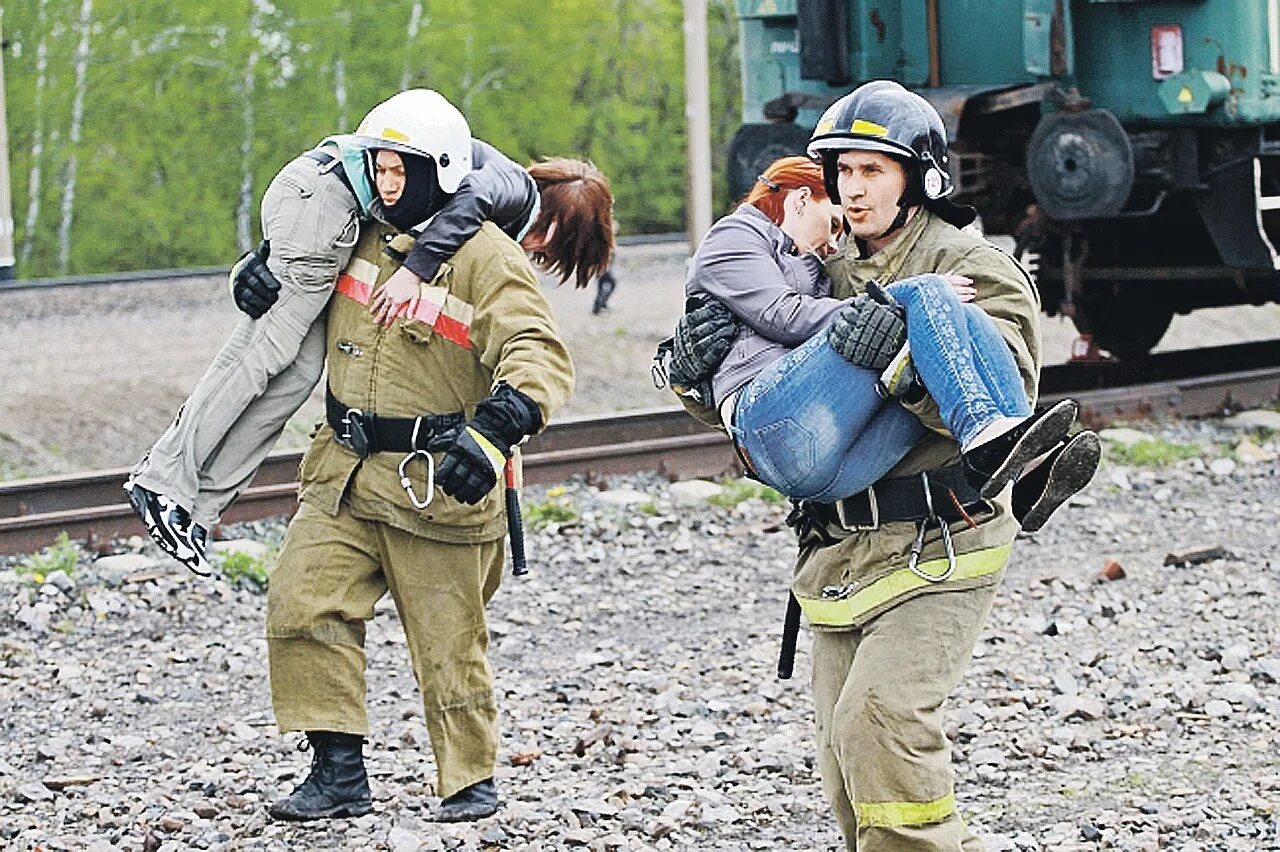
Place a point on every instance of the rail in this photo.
(98, 279)
(667, 441)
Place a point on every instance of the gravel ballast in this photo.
(1125, 694)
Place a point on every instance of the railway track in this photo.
(98, 279)
(666, 440)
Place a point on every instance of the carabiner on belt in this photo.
(403, 469)
(918, 545)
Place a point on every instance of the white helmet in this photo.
(420, 121)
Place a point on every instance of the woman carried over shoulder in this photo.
(411, 164)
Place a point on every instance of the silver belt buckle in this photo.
(875, 514)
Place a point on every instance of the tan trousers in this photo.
(268, 367)
(332, 571)
(878, 695)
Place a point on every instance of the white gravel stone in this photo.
(1238, 693)
(1124, 436)
(1255, 419)
(247, 546)
(1222, 467)
(1218, 708)
(122, 564)
(693, 491)
(623, 497)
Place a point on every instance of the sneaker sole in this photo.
(1051, 428)
(1071, 471)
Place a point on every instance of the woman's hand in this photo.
(965, 291)
(398, 297)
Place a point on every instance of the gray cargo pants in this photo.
(268, 367)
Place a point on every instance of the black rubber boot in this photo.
(1067, 469)
(993, 464)
(478, 801)
(337, 785)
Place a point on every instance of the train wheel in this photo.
(1128, 324)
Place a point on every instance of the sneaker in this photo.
(1067, 469)
(993, 464)
(170, 527)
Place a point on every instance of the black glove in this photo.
(474, 461)
(703, 338)
(253, 286)
(869, 331)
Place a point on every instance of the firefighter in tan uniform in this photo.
(897, 581)
(893, 630)
(400, 493)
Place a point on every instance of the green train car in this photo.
(1134, 145)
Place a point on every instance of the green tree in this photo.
(186, 111)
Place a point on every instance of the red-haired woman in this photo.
(807, 420)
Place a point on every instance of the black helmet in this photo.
(883, 116)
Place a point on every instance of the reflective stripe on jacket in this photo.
(868, 569)
(483, 321)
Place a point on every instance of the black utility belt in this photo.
(364, 432)
(941, 494)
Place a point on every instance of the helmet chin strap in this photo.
(898, 221)
(912, 197)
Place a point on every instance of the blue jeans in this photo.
(813, 426)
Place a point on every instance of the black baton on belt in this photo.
(515, 524)
(790, 630)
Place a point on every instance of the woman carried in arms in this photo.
(821, 395)
(413, 164)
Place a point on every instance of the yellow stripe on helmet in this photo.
(394, 135)
(868, 128)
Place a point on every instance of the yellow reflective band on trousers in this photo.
(841, 612)
(898, 814)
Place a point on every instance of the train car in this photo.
(1134, 145)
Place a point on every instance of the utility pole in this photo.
(6, 205)
(697, 114)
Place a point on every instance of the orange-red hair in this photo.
(783, 175)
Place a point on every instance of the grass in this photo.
(238, 565)
(554, 510)
(1154, 452)
(734, 491)
(62, 555)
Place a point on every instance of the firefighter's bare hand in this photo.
(398, 297)
(963, 285)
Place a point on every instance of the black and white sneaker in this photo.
(170, 527)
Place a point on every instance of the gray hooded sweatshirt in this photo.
(749, 265)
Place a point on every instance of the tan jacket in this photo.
(869, 568)
(482, 320)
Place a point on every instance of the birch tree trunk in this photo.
(340, 94)
(415, 21)
(37, 137)
(73, 137)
